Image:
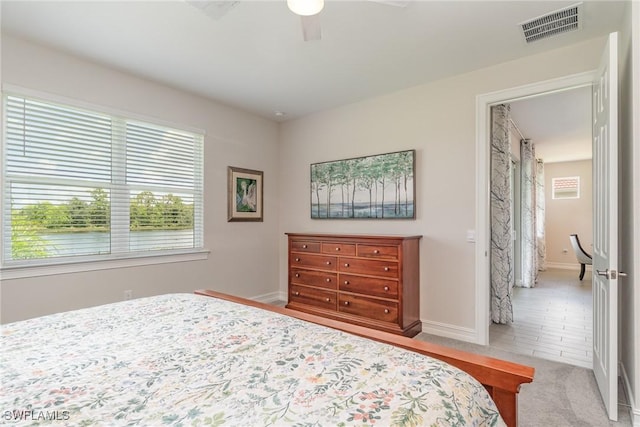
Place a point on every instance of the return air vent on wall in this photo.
(551, 24)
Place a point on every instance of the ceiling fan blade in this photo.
(397, 3)
(212, 8)
(311, 29)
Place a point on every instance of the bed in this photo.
(211, 359)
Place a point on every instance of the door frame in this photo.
(484, 102)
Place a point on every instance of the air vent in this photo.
(560, 21)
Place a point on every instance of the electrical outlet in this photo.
(128, 294)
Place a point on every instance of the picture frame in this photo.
(380, 186)
(245, 195)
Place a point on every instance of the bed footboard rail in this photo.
(501, 378)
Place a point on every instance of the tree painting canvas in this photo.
(372, 187)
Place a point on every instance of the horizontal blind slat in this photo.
(156, 144)
(155, 155)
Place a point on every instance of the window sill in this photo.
(21, 272)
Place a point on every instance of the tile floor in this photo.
(551, 321)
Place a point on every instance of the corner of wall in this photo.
(450, 331)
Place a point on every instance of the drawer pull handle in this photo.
(327, 299)
(386, 311)
(375, 251)
(297, 259)
(386, 269)
(346, 264)
(346, 303)
(328, 262)
(386, 288)
(337, 249)
(304, 246)
(328, 279)
(346, 282)
(296, 293)
(297, 274)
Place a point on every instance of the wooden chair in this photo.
(583, 257)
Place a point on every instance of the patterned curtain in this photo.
(528, 212)
(540, 236)
(501, 203)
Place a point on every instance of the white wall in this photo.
(438, 120)
(568, 216)
(244, 256)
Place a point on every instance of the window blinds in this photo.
(566, 187)
(84, 183)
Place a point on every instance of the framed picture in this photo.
(245, 195)
(372, 187)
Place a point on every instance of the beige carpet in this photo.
(560, 394)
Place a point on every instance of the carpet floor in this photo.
(560, 394)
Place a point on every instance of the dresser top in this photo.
(353, 236)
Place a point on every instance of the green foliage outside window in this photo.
(25, 241)
(168, 212)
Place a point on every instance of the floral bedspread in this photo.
(190, 360)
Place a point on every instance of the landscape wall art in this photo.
(372, 187)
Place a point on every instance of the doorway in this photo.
(483, 104)
(553, 318)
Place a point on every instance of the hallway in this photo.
(552, 321)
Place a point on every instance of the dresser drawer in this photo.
(320, 279)
(312, 296)
(378, 251)
(385, 311)
(313, 261)
(303, 246)
(344, 249)
(369, 286)
(368, 266)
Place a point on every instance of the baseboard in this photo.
(565, 266)
(449, 331)
(634, 412)
(270, 297)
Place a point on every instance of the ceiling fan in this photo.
(308, 10)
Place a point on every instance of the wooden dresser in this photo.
(372, 281)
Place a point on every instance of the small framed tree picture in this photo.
(245, 195)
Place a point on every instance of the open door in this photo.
(605, 229)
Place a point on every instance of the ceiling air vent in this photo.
(551, 24)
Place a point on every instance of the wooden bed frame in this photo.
(501, 378)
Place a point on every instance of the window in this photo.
(85, 185)
(566, 188)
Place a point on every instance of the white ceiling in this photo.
(254, 57)
(559, 124)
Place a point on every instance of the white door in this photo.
(605, 230)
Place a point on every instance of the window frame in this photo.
(554, 195)
(58, 265)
